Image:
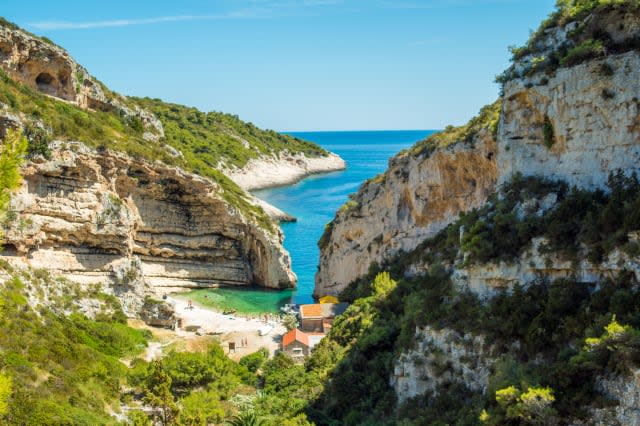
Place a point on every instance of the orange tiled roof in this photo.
(294, 335)
(311, 311)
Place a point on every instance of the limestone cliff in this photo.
(49, 69)
(284, 169)
(141, 228)
(575, 123)
(422, 191)
(161, 217)
(565, 115)
(570, 113)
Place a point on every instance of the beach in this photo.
(207, 324)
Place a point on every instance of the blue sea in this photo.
(314, 202)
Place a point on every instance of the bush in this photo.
(38, 141)
(253, 362)
(589, 49)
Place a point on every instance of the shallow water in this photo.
(314, 202)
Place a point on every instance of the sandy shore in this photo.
(289, 169)
(228, 328)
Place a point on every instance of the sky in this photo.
(293, 65)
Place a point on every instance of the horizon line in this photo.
(359, 130)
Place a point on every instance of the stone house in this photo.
(295, 343)
(318, 317)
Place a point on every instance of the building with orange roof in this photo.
(295, 343)
(318, 318)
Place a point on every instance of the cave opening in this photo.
(45, 82)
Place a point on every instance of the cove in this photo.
(314, 201)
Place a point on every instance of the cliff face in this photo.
(285, 169)
(570, 113)
(574, 123)
(422, 191)
(594, 122)
(138, 227)
(49, 69)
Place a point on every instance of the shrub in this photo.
(38, 141)
(588, 49)
(548, 132)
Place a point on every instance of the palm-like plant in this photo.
(248, 418)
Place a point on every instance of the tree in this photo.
(383, 285)
(158, 395)
(532, 407)
(290, 322)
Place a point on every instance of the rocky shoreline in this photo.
(288, 169)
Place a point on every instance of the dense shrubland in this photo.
(210, 139)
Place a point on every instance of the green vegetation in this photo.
(488, 118)
(14, 147)
(210, 139)
(548, 132)
(65, 369)
(111, 130)
(588, 49)
(587, 41)
(192, 388)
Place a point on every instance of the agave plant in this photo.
(248, 418)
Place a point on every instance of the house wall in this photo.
(311, 324)
(289, 349)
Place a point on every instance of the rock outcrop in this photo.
(574, 123)
(570, 112)
(140, 228)
(441, 357)
(50, 69)
(592, 122)
(422, 191)
(285, 169)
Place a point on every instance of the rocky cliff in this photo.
(49, 69)
(569, 112)
(494, 274)
(421, 192)
(141, 228)
(130, 193)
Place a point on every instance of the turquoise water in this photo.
(314, 202)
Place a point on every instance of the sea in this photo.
(314, 201)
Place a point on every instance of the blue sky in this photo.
(297, 64)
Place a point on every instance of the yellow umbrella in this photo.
(329, 299)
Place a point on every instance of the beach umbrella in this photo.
(329, 299)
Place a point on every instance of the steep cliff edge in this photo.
(87, 215)
(570, 111)
(422, 191)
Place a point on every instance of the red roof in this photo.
(311, 311)
(294, 335)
